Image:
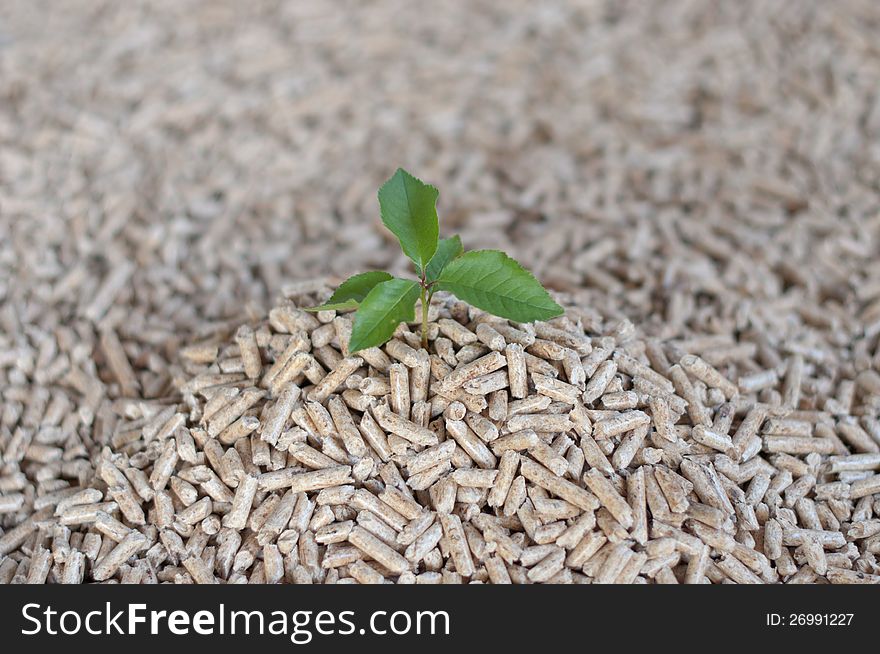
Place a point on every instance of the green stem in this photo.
(425, 302)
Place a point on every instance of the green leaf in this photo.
(408, 209)
(492, 281)
(385, 307)
(447, 250)
(352, 291)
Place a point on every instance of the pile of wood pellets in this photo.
(571, 451)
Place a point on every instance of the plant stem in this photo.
(425, 302)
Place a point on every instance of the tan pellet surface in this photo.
(698, 181)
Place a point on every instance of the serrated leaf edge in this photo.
(406, 319)
(420, 265)
(350, 303)
(477, 288)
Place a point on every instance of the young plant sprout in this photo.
(488, 279)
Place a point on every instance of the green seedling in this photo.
(487, 279)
